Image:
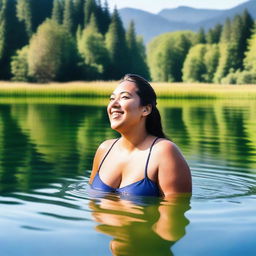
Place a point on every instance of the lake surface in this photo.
(47, 208)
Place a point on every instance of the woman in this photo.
(142, 162)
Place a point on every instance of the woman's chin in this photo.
(115, 125)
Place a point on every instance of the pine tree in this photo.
(132, 47)
(201, 36)
(24, 14)
(213, 35)
(89, 9)
(116, 45)
(227, 61)
(236, 40)
(105, 18)
(250, 54)
(226, 31)
(57, 11)
(79, 6)
(248, 26)
(136, 61)
(12, 36)
(68, 16)
(92, 47)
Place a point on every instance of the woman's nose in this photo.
(115, 102)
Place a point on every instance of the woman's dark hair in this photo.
(147, 97)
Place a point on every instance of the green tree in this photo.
(166, 54)
(24, 14)
(136, 53)
(117, 48)
(247, 32)
(226, 31)
(213, 35)
(12, 36)
(89, 9)
(91, 46)
(52, 54)
(211, 61)
(57, 11)
(250, 54)
(236, 42)
(19, 65)
(194, 68)
(79, 6)
(143, 68)
(68, 16)
(105, 18)
(233, 44)
(248, 25)
(201, 38)
(227, 61)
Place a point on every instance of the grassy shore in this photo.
(103, 89)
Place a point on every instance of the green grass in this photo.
(101, 89)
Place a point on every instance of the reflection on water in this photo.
(46, 152)
(141, 229)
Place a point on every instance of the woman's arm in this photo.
(101, 151)
(173, 172)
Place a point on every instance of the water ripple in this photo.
(213, 182)
(209, 182)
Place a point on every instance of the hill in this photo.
(193, 15)
(150, 25)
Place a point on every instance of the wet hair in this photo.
(147, 97)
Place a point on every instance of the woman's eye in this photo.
(111, 99)
(125, 97)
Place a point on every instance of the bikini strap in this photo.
(146, 167)
(107, 153)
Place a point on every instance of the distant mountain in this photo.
(150, 25)
(192, 15)
(250, 6)
(182, 18)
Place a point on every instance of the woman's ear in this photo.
(146, 110)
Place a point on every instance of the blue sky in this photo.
(155, 6)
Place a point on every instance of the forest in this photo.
(67, 40)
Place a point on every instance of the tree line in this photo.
(63, 40)
(223, 54)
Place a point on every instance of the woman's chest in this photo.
(122, 169)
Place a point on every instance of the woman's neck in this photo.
(131, 141)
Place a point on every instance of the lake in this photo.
(47, 208)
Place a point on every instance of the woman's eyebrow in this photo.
(125, 92)
(113, 94)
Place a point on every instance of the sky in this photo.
(154, 6)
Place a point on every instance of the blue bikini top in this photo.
(144, 187)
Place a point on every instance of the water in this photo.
(47, 208)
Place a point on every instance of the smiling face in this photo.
(124, 108)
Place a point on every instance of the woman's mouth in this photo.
(116, 114)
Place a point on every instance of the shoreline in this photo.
(99, 89)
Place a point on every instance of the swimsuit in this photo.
(144, 187)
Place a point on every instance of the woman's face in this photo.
(124, 109)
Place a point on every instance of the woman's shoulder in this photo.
(163, 144)
(105, 145)
(166, 147)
